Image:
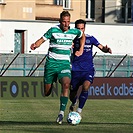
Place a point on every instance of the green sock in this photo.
(63, 103)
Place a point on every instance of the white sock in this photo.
(79, 110)
(61, 112)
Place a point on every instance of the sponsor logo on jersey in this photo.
(63, 36)
(87, 46)
(65, 71)
(64, 41)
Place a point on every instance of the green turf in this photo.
(38, 116)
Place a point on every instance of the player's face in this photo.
(64, 23)
(81, 27)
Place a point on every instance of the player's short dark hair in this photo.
(80, 21)
(64, 13)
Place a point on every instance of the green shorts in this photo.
(56, 70)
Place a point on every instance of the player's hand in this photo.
(109, 49)
(79, 53)
(33, 46)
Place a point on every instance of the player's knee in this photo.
(66, 86)
(86, 86)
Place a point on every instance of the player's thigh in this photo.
(64, 73)
(50, 76)
(75, 80)
(65, 80)
(88, 76)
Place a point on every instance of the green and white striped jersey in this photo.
(61, 42)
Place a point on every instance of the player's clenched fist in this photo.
(79, 53)
(33, 46)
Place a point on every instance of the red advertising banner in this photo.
(111, 88)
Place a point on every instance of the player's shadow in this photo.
(47, 126)
(32, 127)
(49, 123)
(26, 123)
(103, 123)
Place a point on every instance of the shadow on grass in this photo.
(53, 127)
(54, 123)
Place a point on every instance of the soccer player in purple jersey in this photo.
(83, 68)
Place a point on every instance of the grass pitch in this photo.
(38, 116)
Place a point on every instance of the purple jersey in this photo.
(85, 61)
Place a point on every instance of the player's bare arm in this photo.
(82, 42)
(37, 43)
(105, 49)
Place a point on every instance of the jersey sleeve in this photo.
(95, 41)
(48, 34)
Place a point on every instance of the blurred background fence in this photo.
(33, 65)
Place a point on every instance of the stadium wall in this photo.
(118, 37)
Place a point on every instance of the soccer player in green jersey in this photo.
(57, 64)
